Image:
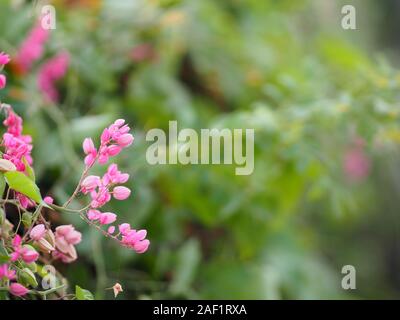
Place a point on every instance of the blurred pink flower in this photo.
(38, 232)
(356, 163)
(65, 238)
(4, 58)
(18, 290)
(3, 81)
(32, 48)
(51, 71)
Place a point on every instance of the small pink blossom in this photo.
(111, 230)
(356, 164)
(4, 58)
(107, 218)
(38, 232)
(53, 70)
(18, 290)
(121, 193)
(90, 183)
(3, 81)
(6, 272)
(32, 48)
(90, 151)
(65, 238)
(48, 200)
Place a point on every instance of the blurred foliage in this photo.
(284, 68)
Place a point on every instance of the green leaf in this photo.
(29, 170)
(21, 183)
(83, 294)
(2, 184)
(27, 219)
(4, 258)
(27, 276)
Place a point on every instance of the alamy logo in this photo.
(185, 147)
(48, 17)
(349, 280)
(349, 18)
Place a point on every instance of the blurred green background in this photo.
(285, 68)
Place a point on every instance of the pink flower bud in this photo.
(89, 159)
(119, 122)
(90, 183)
(74, 237)
(88, 146)
(124, 228)
(113, 150)
(3, 81)
(29, 255)
(141, 246)
(121, 193)
(93, 214)
(111, 230)
(4, 58)
(125, 140)
(18, 290)
(48, 200)
(38, 232)
(105, 136)
(107, 218)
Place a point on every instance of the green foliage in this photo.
(18, 181)
(83, 294)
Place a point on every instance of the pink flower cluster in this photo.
(102, 189)
(99, 188)
(15, 288)
(31, 48)
(4, 59)
(112, 141)
(27, 254)
(51, 71)
(18, 147)
(61, 245)
(66, 238)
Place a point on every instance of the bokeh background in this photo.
(324, 103)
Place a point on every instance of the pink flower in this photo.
(124, 228)
(141, 246)
(93, 214)
(121, 193)
(17, 146)
(6, 272)
(38, 232)
(53, 70)
(90, 183)
(3, 81)
(100, 197)
(113, 175)
(29, 255)
(4, 58)
(111, 230)
(18, 290)
(32, 48)
(356, 163)
(65, 238)
(135, 239)
(107, 218)
(125, 140)
(112, 140)
(48, 200)
(90, 151)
